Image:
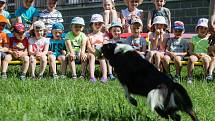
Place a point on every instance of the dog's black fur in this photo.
(139, 77)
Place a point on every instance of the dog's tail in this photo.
(183, 101)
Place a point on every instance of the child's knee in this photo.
(8, 57)
(52, 58)
(25, 59)
(43, 58)
(192, 59)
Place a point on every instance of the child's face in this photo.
(107, 5)
(2, 5)
(2, 25)
(57, 34)
(97, 26)
(19, 35)
(178, 33)
(159, 3)
(136, 28)
(28, 3)
(52, 4)
(116, 31)
(77, 28)
(159, 26)
(202, 31)
(133, 3)
(39, 33)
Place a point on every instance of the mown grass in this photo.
(80, 100)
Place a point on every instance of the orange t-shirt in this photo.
(4, 40)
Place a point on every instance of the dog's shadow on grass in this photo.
(95, 114)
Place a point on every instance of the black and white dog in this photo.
(139, 77)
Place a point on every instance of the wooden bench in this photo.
(17, 62)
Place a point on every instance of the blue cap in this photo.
(58, 26)
(78, 20)
(116, 24)
(178, 25)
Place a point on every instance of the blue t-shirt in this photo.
(136, 44)
(27, 15)
(56, 46)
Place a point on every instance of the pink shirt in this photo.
(97, 39)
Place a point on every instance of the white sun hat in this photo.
(159, 20)
(97, 18)
(202, 22)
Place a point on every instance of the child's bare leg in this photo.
(157, 60)
(149, 56)
(91, 58)
(177, 62)
(106, 17)
(83, 68)
(103, 67)
(43, 63)
(63, 61)
(192, 59)
(206, 62)
(32, 65)
(5, 62)
(72, 67)
(212, 66)
(52, 64)
(25, 65)
(109, 67)
(166, 61)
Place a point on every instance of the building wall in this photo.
(188, 11)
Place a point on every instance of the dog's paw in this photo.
(133, 101)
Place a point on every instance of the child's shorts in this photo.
(2, 55)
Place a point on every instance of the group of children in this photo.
(107, 27)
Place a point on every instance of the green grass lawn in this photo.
(65, 99)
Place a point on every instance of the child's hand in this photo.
(83, 57)
(39, 54)
(157, 32)
(63, 52)
(50, 52)
(15, 54)
(72, 56)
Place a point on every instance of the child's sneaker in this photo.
(189, 80)
(177, 78)
(93, 80)
(55, 76)
(4, 76)
(74, 77)
(209, 77)
(82, 77)
(62, 76)
(22, 77)
(112, 77)
(104, 80)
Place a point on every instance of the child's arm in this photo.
(83, 49)
(69, 47)
(30, 50)
(149, 21)
(46, 49)
(169, 21)
(90, 47)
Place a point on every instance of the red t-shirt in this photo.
(18, 45)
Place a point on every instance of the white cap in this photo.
(202, 22)
(159, 20)
(96, 18)
(39, 25)
(137, 20)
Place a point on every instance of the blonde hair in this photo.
(111, 1)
